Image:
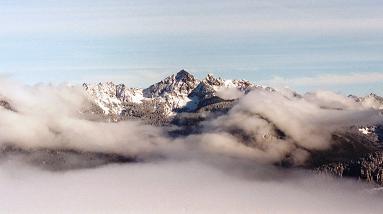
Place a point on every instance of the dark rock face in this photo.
(120, 92)
(353, 155)
(222, 106)
(205, 89)
(181, 83)
(368, 168)
(5, 104)
(377, 135)
(146, 113)
(63, 159)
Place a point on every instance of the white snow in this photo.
(173, 92)
(104, 95)
(134, 95)
(365, 130)
(372, 102)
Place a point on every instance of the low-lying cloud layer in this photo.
(56, 118)
(230, 154)
(278, 124)
(263, 125)
(328, 80)
(179, 187)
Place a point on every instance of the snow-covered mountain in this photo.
(358, 150)
(182, 105)
(178, 91)
(184, 92)
(173, 91)
(372, 101)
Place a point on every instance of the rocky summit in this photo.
(179, 92)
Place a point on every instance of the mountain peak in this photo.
(183, 75)
(211, 80)
(179, 90)
(179, 84)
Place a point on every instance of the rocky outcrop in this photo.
(368, 168)
(180, 92)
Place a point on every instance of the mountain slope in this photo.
(178, 92)
(187, 103)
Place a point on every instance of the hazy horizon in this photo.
(309, 45)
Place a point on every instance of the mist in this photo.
(280, 124)
(228, 166)
(263, 125)
(179, 187)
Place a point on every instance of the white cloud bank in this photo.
(328, 79)
(179, 187)
(54, 117)
(214, 171)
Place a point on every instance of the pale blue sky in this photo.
(278, 42)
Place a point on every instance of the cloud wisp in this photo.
(328, 79)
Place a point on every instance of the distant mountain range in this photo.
(357, 152)
(178, 92)
(182, 92)
(182, 105)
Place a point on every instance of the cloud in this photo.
(263, 126)
(227, 166)
(54, 117)
(180, 187)
(229, 93)
(307, 124)
(328, 79)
